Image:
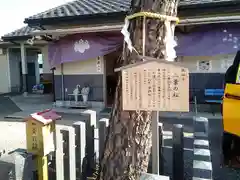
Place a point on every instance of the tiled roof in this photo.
(20, 32)
(89, 7)
(85, 7)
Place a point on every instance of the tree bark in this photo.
(128, 144)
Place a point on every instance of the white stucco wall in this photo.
(46, 66)
(81, 67)
(4, 74)
(219, 64)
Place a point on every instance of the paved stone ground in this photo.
(215, 135)
(7, 106)
(13, 137)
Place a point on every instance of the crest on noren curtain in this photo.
(81, 46)
(228, 37)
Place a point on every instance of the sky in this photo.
(13, 12)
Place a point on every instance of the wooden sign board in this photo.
(155, 86)
(34, 137)
(146, 176)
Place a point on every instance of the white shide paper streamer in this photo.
(170, 53)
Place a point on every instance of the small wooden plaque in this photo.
(155, 86)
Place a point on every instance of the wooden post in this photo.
(72, 154)
(90, 147)
(40, 139)
(178, 159)
(80, 142)
(59, 155)
(69, 153)
(161, 158)
(91, 133)
(42, 166)
(103, 125)
(65, 135)
(155, 143)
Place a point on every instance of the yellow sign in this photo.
(40, 128)
(238, 75)
(155, 86)
(34, 137)
(231, 104)
(40, 141)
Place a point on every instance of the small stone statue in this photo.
(85, 92)
(76, 93)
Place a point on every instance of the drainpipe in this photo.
(63, 86)
(53, 85)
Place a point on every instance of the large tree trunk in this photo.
(128, 143)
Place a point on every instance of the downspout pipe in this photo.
(63, 84)
(53, 86)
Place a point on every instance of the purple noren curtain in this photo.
(209, 40)
(79, 47)
(206, 40)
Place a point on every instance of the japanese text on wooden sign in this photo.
(34, 137)
(156, 86)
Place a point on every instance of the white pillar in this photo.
(46, 65)
(9, 72)
(24, 68)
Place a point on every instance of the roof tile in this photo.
(88, 7)
(85, 7)
(20, 32)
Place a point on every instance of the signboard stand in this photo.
(40, 132)
(155, 85)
